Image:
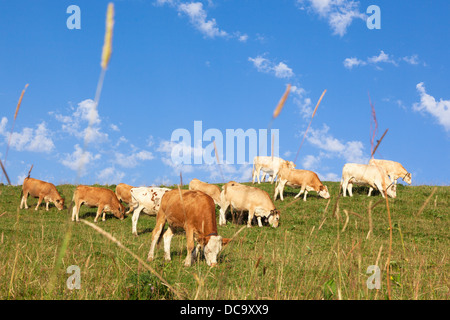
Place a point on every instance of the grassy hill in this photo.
(321, 250)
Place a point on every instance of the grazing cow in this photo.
(245, 198)
(104, 199)
(43, 190)
(304, 179)
(393, 169)
(270, 165)
(373, 176)
(210, 189)
(195, 212)
(146, 199)
(124, 195)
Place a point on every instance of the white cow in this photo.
(146, 199)
(373, 176)
(269, 165)
(393, 169)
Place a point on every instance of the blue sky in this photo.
(227, 64)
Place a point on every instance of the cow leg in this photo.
(302, 189)
(380, 188)
(259, 221)
(190, 247)
(304, 197)
(167, 239)
(258, 173)
(160, 222)
(251, 214)
(350, 189)
(370, 192)
(39, 202)
(76, 211)
(223, 210)
(46, 205)
(135, 219)
(24, 201)
(99, 212)
(344, 184)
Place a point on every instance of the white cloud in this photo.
(382, 57)
(280, 70)
(114, 127)
(110, 176)
(350, 151)
(29, 139)
(134, 159)
(339, 13)
(349, 63)
(438, 109)
(85, 115)
(198, 17)
(304, 103)
(79, 160)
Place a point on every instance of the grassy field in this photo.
(314, 254)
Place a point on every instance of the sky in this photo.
(224, 65)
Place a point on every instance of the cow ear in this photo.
(225, 241)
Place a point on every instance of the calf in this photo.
(43, 190)
(393, 169)
(124, 195)
(270, 165)
(373, 176)
(104, 199)
(210, 189)
(304, 179)
(195, 212)
(245, 198)
(147, 200)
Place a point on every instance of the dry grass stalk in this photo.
(378, 143)
(312, 117)
(218, 161)
(370, 220)
(143, 263)
(280, 105)
(426, 202)
(347, 218)
(107, 45)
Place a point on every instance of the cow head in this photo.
(274, 218)
(119, 211)
(323, 192)
(212, 248)
(392, 190)
(407, 178)
(59, 203)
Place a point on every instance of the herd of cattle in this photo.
(194, 210)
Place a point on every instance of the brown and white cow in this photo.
(245, 198)
(269, 165)
(210, 189)
(195, 212)
(104, 199)
(45, 191)
(124, 195)
(304, 179)
(393, 169)
(363, 174)
(146, 199)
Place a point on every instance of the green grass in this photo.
(308, 256)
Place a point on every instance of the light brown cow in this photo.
(210, 189)
(393, 169)
(195, 212)
(43, 190)
(362, 174)
(104, 199)
(304, 179)
(124, 195)
(269, 165)
(245, 198)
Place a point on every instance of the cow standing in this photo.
(245, 198)
(304, 179)
(269, 165)
(146, 199)
(363, 174)
(45, 191)
(195, 212)
(104, 199)
(393, 169)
